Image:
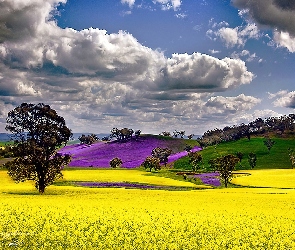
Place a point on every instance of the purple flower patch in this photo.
(120, 185)
(132, 153)
(209, 178)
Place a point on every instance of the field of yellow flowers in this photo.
(69, 217)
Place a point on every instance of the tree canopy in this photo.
(37, 132)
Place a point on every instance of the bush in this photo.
(116, 162)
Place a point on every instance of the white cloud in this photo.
(213, 51)
(276, 14)
(169, 4)
(237, 36)
(181, 15)
(284, 39)
(231, 104)
(246, 53)
(284, 98)
(129, 2)
(204, 73)
(90, 75)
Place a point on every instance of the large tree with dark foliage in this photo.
(37, 132)
(225, 166)
(162, 154)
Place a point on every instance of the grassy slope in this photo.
(276, 158)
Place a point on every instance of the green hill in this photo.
(277, 158)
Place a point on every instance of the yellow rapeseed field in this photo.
(124, 175)
(68, 217)
(277, 178)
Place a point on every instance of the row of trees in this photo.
(124, 134)
(260, 126)
(88, 139)
(176, 133)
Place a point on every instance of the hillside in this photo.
(132, 152)
(277, 158)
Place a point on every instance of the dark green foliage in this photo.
(195, 159)
(188, 148)
(225, 165)
(88, 139)
(292, 157)
(37, 132)
(268, 142)
(162, 154)
(151, 163)
(240, 155)
(6, 151)
(122, 135)
(137, 133)
(252, 159)
(116, 162)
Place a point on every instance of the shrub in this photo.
(151, 163)
(116, 162)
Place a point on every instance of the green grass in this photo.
(277, 158)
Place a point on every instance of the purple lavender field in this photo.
(132, 152)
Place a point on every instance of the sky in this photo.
(153, 65)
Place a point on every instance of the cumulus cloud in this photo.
(246, 54)
(169, 4)
(278, 15)
(237, 36)
(129, 2)
(284, 98)
(231, 104)
(92, 75)
(204, 73)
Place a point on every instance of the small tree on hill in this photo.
(292, 157)
(116, 162)
(89, 139)
(269, 143)
(252, 159)
(195, 159)
(166, 133)
(162, 154)
(151, 163)
(37, 132)
(137, 133)
(225, 165)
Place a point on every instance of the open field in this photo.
(68, 217)
(158, 210)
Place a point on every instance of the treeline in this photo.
(277, 125)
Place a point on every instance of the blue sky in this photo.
(153, 65)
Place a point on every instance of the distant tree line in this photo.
(176, 134)
(277, 125)
(124, 134)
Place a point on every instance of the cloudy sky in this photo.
(153, 65)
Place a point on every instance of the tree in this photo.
(151, 163)
(225, 165)
(190, 136)
(89, 139)
(137, 133)
(195, 159)
(166, 133)
(122, 135)
(38, 132)
(269, 143)
(162, 154)
(292, 157)
(252, 159)
(116, 162)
